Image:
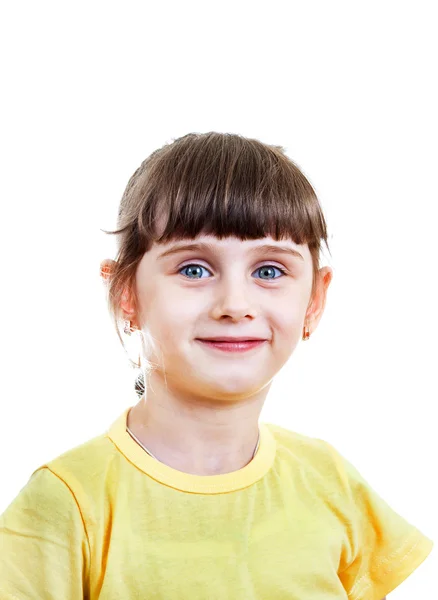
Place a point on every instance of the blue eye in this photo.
(196, 268)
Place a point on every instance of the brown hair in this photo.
(222, 184)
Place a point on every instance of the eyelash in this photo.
(282, 271)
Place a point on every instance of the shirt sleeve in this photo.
(384, 548)
(44, 550)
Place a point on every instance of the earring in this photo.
(127, 327)
(306, 333)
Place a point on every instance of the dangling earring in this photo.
(306, 333)
(127, 327)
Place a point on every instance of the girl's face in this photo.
(226, 287)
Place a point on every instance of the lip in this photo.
(233, 346)
(222, 338)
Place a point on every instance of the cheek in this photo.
(171, 319)
(287, 325)
(287, 321)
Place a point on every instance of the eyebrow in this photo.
(209, 247)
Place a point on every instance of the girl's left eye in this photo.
(194, 267)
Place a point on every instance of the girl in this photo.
(187, 495)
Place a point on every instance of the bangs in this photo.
(224, 185)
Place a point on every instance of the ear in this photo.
(317, 305)
(106, 269)
(127, 305)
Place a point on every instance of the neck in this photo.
(192, 435)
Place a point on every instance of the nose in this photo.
(232, 298)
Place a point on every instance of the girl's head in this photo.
(231, 195)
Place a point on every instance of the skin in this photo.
(202, 406)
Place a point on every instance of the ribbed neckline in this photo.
(187, 482)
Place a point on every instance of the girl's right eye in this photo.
(194, 268)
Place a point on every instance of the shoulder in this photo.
(95, 449)
(308, 452)
(82, 469)
(300, 443)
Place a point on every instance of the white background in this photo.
(349, 89)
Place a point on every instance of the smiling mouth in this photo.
(232, 346)
(233, 339)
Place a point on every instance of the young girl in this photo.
(187, 495)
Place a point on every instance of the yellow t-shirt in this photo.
(106, 520)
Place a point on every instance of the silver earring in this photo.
(127, 327)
